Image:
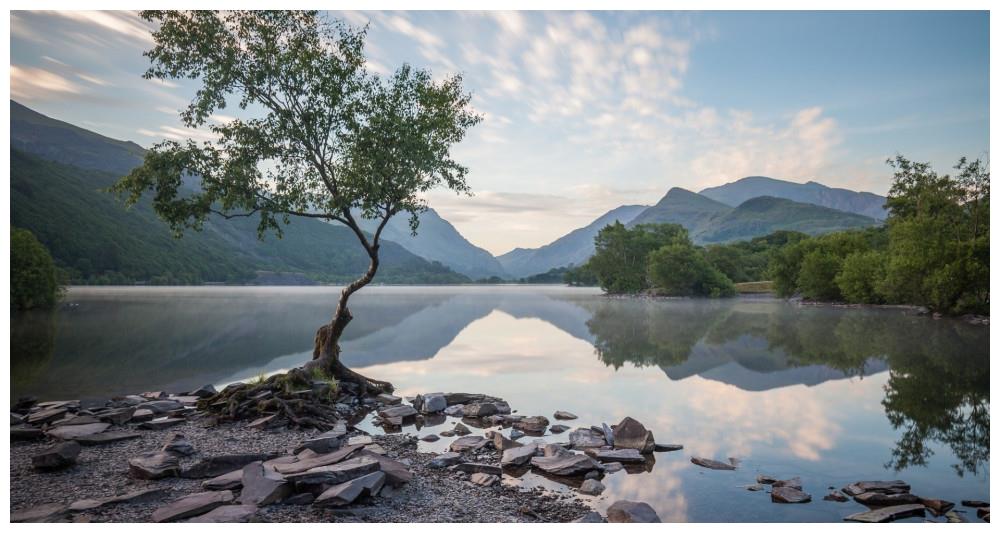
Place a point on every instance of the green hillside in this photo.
(765, 215)
(97, 240)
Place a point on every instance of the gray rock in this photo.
(624, 511)
(47, 512)
(516, 434)
(326, 442)
(794, 483)
(106, 437)
(160, 407)
(161, 423)
(836, 496)
(564, 415)
(712, 464)
(630, 433)
(532, 424)
(430, 438)
(888, 487)
(611, 468)
(57, 456)
(554, 450)
(624, 455)
(557, 428)
(609, 434)
(347, 492)
(593, 517)
(117, 416)
(445, 460)
(388, 399)
(75, 431)
(192, 505)
(336, 473)
(592, 487)
(76, 420)
(231, 481)
(44, 416)
(879, 499)
(789, 495)
(518, 456)
(263, 486)
(582, 438)
(223, 464)
(888, 514)
(205, 391)
(142, 415)
(433, 403)
(360, 440)
(178, 444)
(396, 473)
(25, 433)
(227, 514)
(398, 415)
(473, 442)
(129, 497)
(454, 410)
(477, 410)
(461, 430)
(153, 465)
(483, 479)
(482, 468)
(502, 443)
(569, 465)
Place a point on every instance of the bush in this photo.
(33, 277)
(860, 276)
(683, 270)
(817, 274)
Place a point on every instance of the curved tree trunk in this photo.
(326, 349)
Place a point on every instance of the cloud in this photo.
(126, 24)
(33, 84)
(400, 24)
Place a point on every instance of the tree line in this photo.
(932, 251)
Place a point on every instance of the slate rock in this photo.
(564, 415)
(75, 431)
(76, 420)
(227, 514)
(571, 465)
(557, 428)
(57, 456)
(106, 437)
(268, 422)
(302, 498)
(473, 468)
(433, 403)
(388, 399)
(47, 512)
(160, 407)
(347, 492)
(888, 487)
(483, 479)
(879, 499)
(766, 480)
(117, 416)
(532, 424)
(223, 464)
(795, 483)
(336, 473)
(592, 487)
(129, 497)
(142, 415)
(611, 468)
(192, 505)
(518, 456)
(445, 460)
(26, 433)
(154, 465)
(712, 464)
(396, 473)
(430, 438)
(789, 495)
(161, 423)
(624, 511)
(44, 416)
(936, 506)
(263, 486)
(630, 433)
(304, 464)
(231, 481)
(325, 442)
(592, 517)
(888, 514)
(461, 430)
(205, 391)
(179, 445)
(975, 503)
(473, 442)
(623, 455)
(398, 415)
(836, 496)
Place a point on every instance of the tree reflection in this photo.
(938, 385)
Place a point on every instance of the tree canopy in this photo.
(34, 282)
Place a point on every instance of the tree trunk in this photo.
(326, 348)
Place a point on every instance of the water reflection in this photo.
(794, 390)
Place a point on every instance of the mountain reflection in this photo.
(132, 340)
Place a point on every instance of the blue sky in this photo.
(586, 111)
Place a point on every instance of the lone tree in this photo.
(329, 141)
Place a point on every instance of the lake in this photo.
(832, 395)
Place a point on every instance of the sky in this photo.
(587, 111)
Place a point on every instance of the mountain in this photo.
(681, 206)
(437, 240)
(737, 192)
(573, 248)
(765, 214)
(58, 192)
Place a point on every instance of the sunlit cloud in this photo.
(124, 23)
(31, 84)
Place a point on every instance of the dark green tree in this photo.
(682, 270)
(329, 140)
(34, 281)
(620, 258)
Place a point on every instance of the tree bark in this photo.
(326, 348)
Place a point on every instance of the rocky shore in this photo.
(158, 458)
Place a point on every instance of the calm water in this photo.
(830, 395)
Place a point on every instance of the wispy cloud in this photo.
(33, 84)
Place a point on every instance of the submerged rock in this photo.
(888, 487)
(564, 415)
(625, 511)
(888, 514)
(879, 499)
(712, 464)
(836, 496)
(789, 495)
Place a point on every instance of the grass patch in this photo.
(755, 287)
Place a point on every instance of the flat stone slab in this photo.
(473, 468)
(336, 473)
(48, 512)
(399, 415)
(46, 415)
(129, 497)
(106, 437)
(178, 444)
(625, 511)
(154, 465)
(325, 442)
(879, 499)
(80, 430)
(483, 479)
(396, 473)
(887, 514)
(789, 495)
(192, 505)
(624, 455)
(895, 487)
(445, 460)
(231, 481)
(566, 465)
(462, 444)
(228, 514)
(263, 486)
(712, 464)
(532, 424)
(320, 460)
(519, 456)
(161, 423)
(223, 464)
(347, 492)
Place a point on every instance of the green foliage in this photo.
(860, 275)
(580, 276)
(682, 270)
(620, 259)
(816, 275)
(553, 275)
(745, 261)
(33, 277)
